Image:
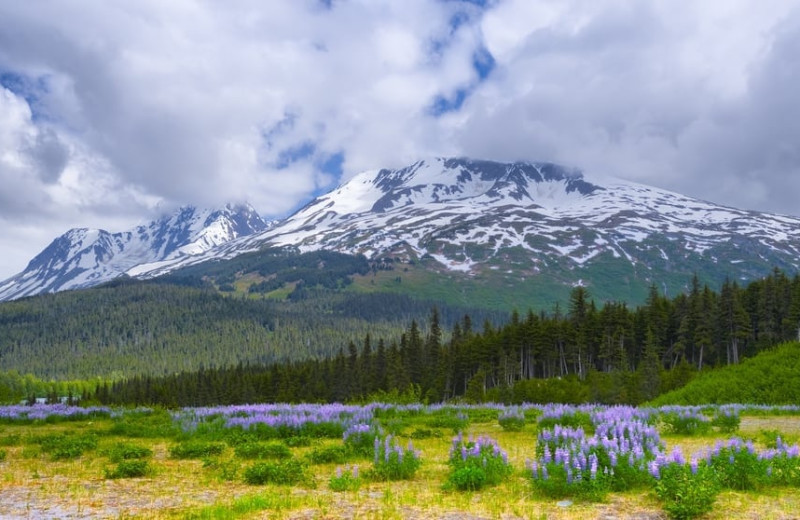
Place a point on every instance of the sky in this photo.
(113, 112)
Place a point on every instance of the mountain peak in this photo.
(83, 257)
(523, 219)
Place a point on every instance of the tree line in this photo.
(585, 352)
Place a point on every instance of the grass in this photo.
(190, 488)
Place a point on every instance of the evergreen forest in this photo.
(584, 352)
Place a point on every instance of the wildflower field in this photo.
(400, 461)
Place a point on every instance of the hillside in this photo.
(131, 327)
(771, 377)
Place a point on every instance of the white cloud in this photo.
(115, 108)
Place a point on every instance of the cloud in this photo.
(694, 97)
(113, 111)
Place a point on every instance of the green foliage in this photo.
(447, 418)
(726, 420)
(512, 420)
(345, 480)
(686, 422)
(607, 354)
(558, 483)
(360, 438)
(132, 328)
(127, 451)
(263, 450)
(475, 464)
(330, 454)
(226, 470)
(14, 439)
(297, 441)
(147, 424)
(63, 446)
(773, 377)
(194, 449)
(686, 493)
(468, 478)
(771, 438)
(3, 454)
(129, 469)
(424, 433)
(738, 469)
(285, 472)
(391, 462)
(569, 419)
(783, 470)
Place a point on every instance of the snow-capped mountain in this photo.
(86, 257)
(529, 219)
(479, 218)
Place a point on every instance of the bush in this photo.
(285, 472)
(475, 464)
(226, 470)
(686, 422)
(481, 414)
(263, 450)
(736, 465)
(512, 420)
(126, 451)
(770, 438)
(425, 433)
(467, 478)
(3, 455)
(196, 449)
(687, 491)
(149, 424)
(65, 447)
(567, 417)
(129, 469)
(360, 438)
(782, 465)
(447, 419)
(391, 462)
(297, 442)
(330, 454)
(11, 440)
(726, 420)
(345, 480)
(316, 430)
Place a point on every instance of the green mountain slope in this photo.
(185, 322)
(771, 377)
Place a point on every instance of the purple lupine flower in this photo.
(654, 469)
(677, 456)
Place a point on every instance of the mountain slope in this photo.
(537, 227)
(772, 377)
(86, 257)
(531, 221)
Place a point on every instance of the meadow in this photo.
(400, 461)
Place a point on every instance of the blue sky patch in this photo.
(295, 153)
(332, 164)
(483, 62)
(30, 89)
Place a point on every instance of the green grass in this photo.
(157, 486)
(772, 376)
